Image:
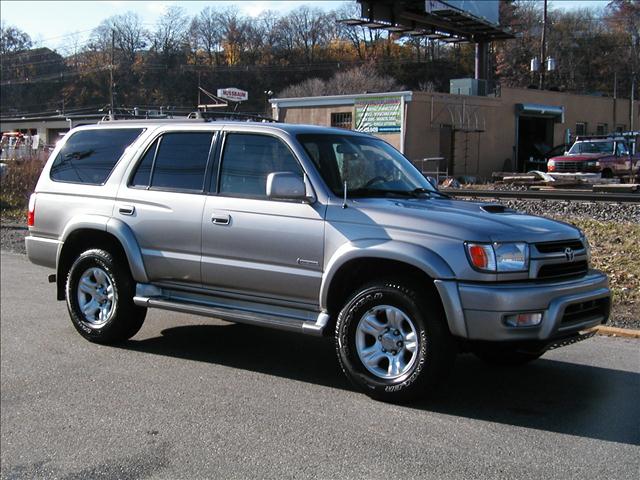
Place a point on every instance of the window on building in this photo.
(581, 128)
(602, 129)
(89, 156)
(181, 161)
(341, 120)
(248, 159)
(620, 128)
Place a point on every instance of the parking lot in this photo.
(190, 397)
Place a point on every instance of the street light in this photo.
(267, 95)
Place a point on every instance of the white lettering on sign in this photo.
(233, 94)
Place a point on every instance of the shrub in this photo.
(18, 181)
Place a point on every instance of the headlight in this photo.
(551, 163)
(587, 245)
(499, 257)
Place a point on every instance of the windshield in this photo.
(592, 147)
(370, 166)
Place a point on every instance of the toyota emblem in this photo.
(568, 252)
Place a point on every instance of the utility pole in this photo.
(543, 45)
(112, 112)
(615, 101)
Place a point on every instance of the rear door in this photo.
(256, 246)
(163, 201)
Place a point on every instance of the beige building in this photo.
(473, 135)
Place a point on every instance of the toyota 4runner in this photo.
(308, 229)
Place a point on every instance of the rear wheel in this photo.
(99, 293)
(392, 343)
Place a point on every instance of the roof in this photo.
(335, 99)
(291, 128)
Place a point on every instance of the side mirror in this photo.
(289, 186)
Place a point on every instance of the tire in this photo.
(101, 286)
(606, 173)
(385, 315)
(507, 357)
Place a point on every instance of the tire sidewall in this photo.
(349, 318)
(90, 259)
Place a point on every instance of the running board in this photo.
(236, 315)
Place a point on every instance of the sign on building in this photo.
(233, 94)
(378, 114)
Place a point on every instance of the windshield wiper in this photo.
(384, 192)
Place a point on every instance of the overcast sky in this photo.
(50, 23)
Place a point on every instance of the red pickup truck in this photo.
(609, 155)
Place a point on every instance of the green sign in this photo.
(378, 114)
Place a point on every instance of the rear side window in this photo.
(89, 156)
(181, 161)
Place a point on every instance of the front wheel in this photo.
(99, 293)
(392, 343)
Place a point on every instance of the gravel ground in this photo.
(625, 308)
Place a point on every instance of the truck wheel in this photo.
(392, 343)
(507, 357)
(606, 173)
(99, 293)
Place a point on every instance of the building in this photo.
(466, 134)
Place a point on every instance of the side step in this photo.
(237, 315)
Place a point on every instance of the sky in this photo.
(57, 24)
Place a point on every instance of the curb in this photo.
(615, 331)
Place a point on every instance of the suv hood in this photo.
(583, 157)
(462, 220)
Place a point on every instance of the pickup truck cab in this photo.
(315, 230)
(610, 156)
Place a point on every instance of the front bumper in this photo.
(476, 311)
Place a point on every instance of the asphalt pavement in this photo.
(196, 398)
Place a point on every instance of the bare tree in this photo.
(12, 39)
(207, 32)
(310, 29)
(362, 79)
(169, 35)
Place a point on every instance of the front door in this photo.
(255, 246)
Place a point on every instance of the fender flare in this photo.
(120, 230)
(415, 255)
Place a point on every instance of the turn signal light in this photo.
(523, 319)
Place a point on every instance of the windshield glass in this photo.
(369, 165)
(592, 147)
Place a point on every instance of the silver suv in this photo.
(308, 229)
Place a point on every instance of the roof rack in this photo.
(609, 136)
(233, 116)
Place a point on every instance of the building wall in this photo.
(478, 135)
(321, 115)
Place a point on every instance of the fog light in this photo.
(523, 319)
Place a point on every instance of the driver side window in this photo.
(248, 159)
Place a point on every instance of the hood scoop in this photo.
(496, 208)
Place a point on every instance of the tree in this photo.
(364, 79)
(207, 33)
(12, 39)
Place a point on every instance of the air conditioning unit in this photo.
(468, 86)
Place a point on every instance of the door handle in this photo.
(220, 219)
(126, 209)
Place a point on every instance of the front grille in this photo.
(559, 246)
(566, 269)
(571, 167)
(579, 312)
